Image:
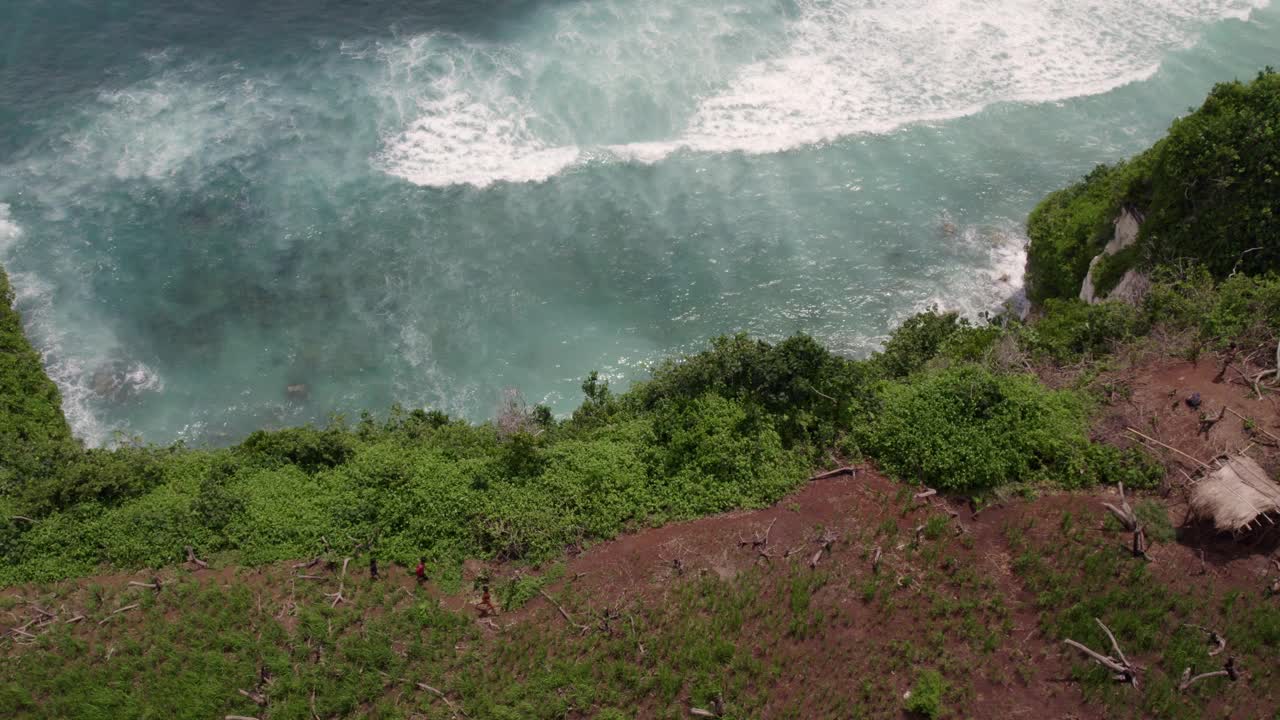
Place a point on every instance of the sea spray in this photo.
(427, 212)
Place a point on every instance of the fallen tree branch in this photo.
(1188, 681)
(191, 558)
(824, 545)
(1218, 641)
(22, 517)
(1257, 427)
(342, 584)
(1125, 672)
(309, 564)
(452, 708)
(928, 493)
(834, 473)
(564, 613)
(238, 717)
(117, 611)
(699, 712)
(875, 561)
(149, 586)
(1148, 438)
(257, 698)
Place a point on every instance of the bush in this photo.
(967, 429)
(35, 440)
(1207, 193)
(306, 447)
(917, 341)
(926, 695)
(1071, 328)
(1215, 181)
(811, 394)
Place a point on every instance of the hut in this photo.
(1236, 496)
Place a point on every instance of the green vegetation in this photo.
(1207, 193)
(187, 650)
(926, 695)
(737, 426)
(1077, 575)
(966, 428)
(33, 433)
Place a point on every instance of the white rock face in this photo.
(1134, 285)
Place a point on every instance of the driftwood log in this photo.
(584, 629)
(1119, 664)
(1228, 671)
(342, 584)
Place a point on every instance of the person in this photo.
(373, 568)
(420, 572)
(486, 607)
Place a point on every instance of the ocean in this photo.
(226, 215)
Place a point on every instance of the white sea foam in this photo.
(87, 370)
(842, 67)
(997, 255)
(458, 140)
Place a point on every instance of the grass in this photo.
(188, 649)
(1077, 574)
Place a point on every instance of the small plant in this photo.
(925, 697)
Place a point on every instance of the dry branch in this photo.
(699, 712)
(238, 717)
(759, 541)
(452, 708)
(928, 493)
(1148, 438)
(191, 558)
(564, 613)
(342, 584)
(824, 545)
(1188, 681)
(1257, 427)
(875, 561)
(1124, 671)
(117, 611)
(309, 564)
(149, 586)
(257, 698)
(1219, 642)
(834, 473)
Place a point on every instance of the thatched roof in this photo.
(1235, 495)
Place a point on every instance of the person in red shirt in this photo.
(420, 572)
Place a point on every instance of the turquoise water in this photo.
(203, 203)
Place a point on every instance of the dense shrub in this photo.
(308, 448)
(1207, 192)
(811, 393)
(34, 437)
(925, 699)
(1242, 310)
(1215, 182)
(968, 429)
(933, 336)
(1071, 328)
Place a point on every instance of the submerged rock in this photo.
(297, 392)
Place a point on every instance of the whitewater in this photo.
(220, 215)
